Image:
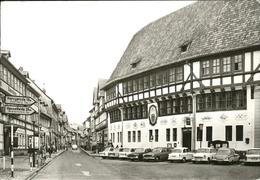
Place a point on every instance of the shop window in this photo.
(174, 134)
(134, 136)
(239, 133)
(129, 136)
(209, 133)
(199, 134)
(156, 135)
(139, 136)
(151, 135)
(168, 134)
(228, 133)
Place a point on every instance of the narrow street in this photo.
(77, 165)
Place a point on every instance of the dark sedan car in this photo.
(138, 154)
(157, 154)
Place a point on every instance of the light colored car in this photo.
(180, 154)
(125, 152)
(253, 156)
(227, 155)
(74, 147)
(204, 155)
(104, 154)
(115, 153)
(157, 154)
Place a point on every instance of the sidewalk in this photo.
(21, 167)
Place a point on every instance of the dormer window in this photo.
(136, 62)
(184, 47)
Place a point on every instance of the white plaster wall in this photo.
(256, 58)
(186, 71)
(196, 69)
(247, 62)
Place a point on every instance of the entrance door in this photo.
(186, 137)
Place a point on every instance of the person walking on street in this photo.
(50, 151)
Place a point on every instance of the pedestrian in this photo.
(50, 151)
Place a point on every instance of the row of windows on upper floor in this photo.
(11, 80)
(225, 65)
(230, 100)
(222, 65)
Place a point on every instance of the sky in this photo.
(67, 46)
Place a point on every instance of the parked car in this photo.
(227, 155)
(157, 154)
(104, 154)
(115, 153)
(180, 154)
(124, 153)
(204, 155)
(138, 154)
(253, 156)
(74, 147)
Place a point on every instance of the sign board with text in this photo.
(19, 100)
(20, 110)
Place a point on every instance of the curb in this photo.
(33, 174)
(91, 155)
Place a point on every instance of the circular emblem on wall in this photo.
(153, 115)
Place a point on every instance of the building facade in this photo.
(190, 78)
(14, 83)
(40, 127)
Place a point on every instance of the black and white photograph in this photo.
(130, 90)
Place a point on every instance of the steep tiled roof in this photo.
(207, 27)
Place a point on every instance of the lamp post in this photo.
(33, 151)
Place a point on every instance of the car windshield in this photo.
(202, 150)
(223, 151)
(176, 150)
(139, 150)
(253, 151)
(157, 149)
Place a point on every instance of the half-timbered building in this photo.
(190, 78)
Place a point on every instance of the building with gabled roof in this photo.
(190, 78)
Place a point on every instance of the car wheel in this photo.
(184, 160)
(157, 158)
